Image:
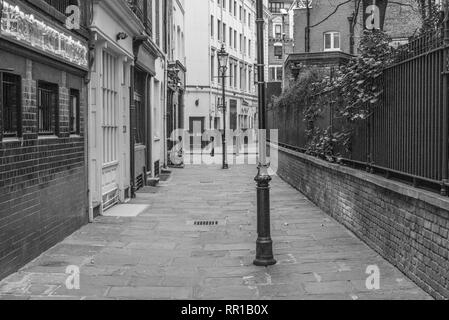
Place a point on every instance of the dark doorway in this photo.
(196, 122)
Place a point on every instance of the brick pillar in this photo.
(29, 104)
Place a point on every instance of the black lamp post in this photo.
(223, 57)
(264, 249)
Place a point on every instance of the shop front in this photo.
(112, 31)
(43, 180)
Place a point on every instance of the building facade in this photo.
(112, 30)
(281, 44)
(176, 72)
(327, 32)
(150, 89)
(210, 25)
(127, 99)
(43, 168)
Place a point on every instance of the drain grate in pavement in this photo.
(205, 223)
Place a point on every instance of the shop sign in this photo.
(23, 27)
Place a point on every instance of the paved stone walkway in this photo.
(161, 254)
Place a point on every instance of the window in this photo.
(279, 74)
(241, 78)
(230, 37)
(61, 5)
(140, 125)
(244, 45)
(219, 30)
(212, 67)
(235, 39)
(277, 31)
(275, 73)
(224, 33)
(218, 70)
(231, 71)
(47, 108)
(74, 112)
(275, 7)
(10, 104)
(331, 41)
(212, 24)
(249, 48)
(241, 43)
(278, 51)
(235, 75)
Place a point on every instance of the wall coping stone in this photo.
(394, 186)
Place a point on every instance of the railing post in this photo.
(445, 102)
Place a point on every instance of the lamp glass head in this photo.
(223, 57)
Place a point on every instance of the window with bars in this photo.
(10, 105)
(74, 112)
(61, 5)
(47, 108)
(110, 108)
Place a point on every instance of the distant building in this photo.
(177, 72)
(280, 42)
(327, 32)
(209, 25)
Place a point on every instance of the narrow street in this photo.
(151, 248)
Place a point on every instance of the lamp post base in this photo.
(264, 256)
(225, 162)
(264, 244)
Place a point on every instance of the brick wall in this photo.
(42, 181)
(337, 22)
(407, 226)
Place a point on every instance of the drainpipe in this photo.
(307, 36)
(164, 110)
(351, 34)
(148, 127)
(132, 122)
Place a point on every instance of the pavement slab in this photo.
(151, 248)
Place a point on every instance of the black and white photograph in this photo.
(222, 155)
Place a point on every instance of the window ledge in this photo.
(49, 137)
(14, 139)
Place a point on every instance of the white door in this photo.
(110, 127)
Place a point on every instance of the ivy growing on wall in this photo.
(352, 91)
